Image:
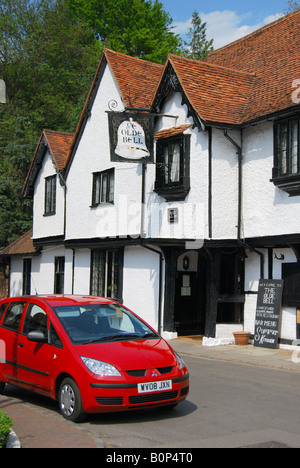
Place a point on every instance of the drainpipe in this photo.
(73, 270)
(143, 201)
(240, 180)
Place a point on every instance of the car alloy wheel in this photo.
(70, 402)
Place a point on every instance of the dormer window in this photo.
(173, 167)
(286, 172)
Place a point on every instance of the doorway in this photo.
(190, 300)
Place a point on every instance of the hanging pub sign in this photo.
(268, 313)
(131, 137)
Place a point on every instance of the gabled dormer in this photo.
(45, 184)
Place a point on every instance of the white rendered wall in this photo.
(224, 185)
(141, 283)
(267, 210)
(42, 272)
(16, 276)
(53, 225)
(82, 272)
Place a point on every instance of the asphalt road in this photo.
(230, 405)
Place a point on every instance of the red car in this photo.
(89, 353)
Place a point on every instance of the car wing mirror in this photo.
(37, 336)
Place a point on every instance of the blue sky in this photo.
(226, 20)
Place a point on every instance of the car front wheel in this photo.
(2, 385)
(70, 402)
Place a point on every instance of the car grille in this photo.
(184, 391)
(152, 397)
(137, 373)
(109, 401)
(145, 398)
(142, 372)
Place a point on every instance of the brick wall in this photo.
(3, 286)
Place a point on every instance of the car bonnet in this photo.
(131, 355)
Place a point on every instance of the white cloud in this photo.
(225, 26)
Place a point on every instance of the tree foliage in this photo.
(198, 47)
(47, 62)
(141, 28)
(292, 5)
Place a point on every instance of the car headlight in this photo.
(100, 368)
(180, 362)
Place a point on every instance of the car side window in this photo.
(2, 309)
(35, 320)
(54, 338)
(13, 315)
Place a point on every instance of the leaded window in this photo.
(106, 273)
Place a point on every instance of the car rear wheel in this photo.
(2, 385)
(70, 402)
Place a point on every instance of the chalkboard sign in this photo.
(268, 313)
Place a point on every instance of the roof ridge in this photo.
(113, 52)
(254, 33)
(213, 65)
(57, 132)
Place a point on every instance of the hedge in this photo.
(5, 426)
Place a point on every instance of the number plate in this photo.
(160, 386)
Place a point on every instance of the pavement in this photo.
(37, 427)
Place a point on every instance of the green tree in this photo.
(47, 62)
(198, 47)
(140, 28)
(292, 5)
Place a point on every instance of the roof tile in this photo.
(59, 144)
(22, 246)
(171, 132)
(273, 54)
(136, 78)
(218, 94)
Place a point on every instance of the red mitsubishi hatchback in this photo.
(89, 353)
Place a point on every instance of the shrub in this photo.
(5, 426)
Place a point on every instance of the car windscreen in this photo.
(100, 323)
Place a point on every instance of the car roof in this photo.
(64, 299)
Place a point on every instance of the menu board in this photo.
(268, 313)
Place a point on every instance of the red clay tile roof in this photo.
(218, 94)
(22, 246)
(171, 132)
(136, 78)
(273, 54)
(58, 143)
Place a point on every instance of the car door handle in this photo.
(21, 345)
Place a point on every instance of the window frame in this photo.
(173, 190)
(100, 286)
(50, 195)
(59, 275)
(51, 335)
(98, 195)
(14, 325)
(283, 175)
(27, 269)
